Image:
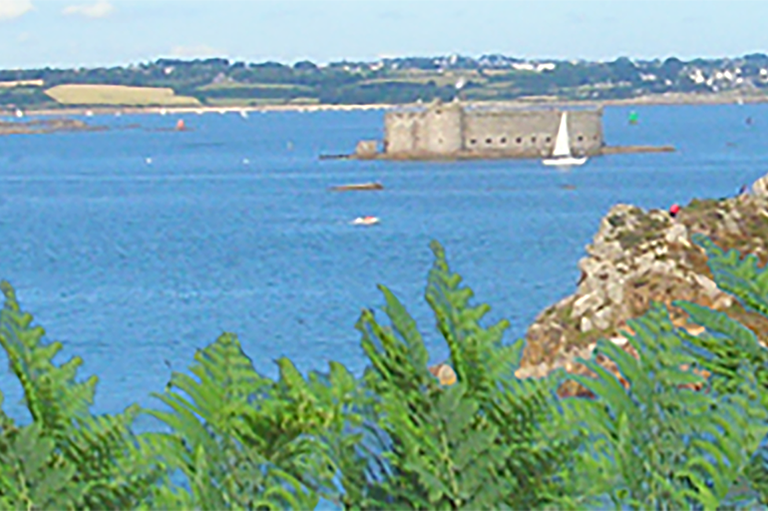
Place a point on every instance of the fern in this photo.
(32, 476)
(655, 443)
(241, 440)
(99, 454)
(741, 278)
(479, 443)
(729, 350)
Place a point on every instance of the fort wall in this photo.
(447, 129)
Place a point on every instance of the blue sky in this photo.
(36, 33)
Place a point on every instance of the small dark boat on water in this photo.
(358, 187)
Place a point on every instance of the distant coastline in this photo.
(648, 100)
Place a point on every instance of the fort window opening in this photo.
(473, 141)
(519, 140)
(503, 140)
(549, 139)
(438, 112)
(581, 138)
(533, 140)
(488, 141)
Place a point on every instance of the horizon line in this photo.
(381, 58)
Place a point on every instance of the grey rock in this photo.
(585, 325)
(614, 289)
(677, 233)
(586, 303)
(760, 187)
(709, 286)
(602, 318)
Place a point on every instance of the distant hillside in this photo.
(401, 80)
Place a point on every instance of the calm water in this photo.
(231, 228)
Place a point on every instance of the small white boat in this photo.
(561, 154)
(243, 114)
(19, 113)
(365, 220)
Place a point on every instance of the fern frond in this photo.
(51, 393)
(739, 277)
(32, 475)
(107, 470)
(670, 446)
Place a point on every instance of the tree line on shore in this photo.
(218, 81)
(683, 427)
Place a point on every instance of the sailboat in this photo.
(561, 154)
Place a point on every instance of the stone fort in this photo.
(452, 130)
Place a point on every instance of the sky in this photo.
(89, 33)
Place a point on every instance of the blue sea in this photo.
(135, 247)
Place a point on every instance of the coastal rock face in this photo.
(641, 256)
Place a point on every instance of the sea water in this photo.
(138, 245)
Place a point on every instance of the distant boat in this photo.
(358, 187)
(19, 113)
(88, 113)
(561, 154)
(243, 114)
(365, 220)
(163, 111)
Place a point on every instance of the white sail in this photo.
(562, 143)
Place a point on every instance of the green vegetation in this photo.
(673, 437)
(402, 80)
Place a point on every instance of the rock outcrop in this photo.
(641, 256)
(46, 126)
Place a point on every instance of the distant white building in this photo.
(697, 76)
(530, 66)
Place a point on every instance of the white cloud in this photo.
(10, 9)
(201, 50)
(100, 9)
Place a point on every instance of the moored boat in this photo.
(365, 220)
(358, 187)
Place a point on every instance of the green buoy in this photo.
(633, 119)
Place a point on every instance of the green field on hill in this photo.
(117, 95)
